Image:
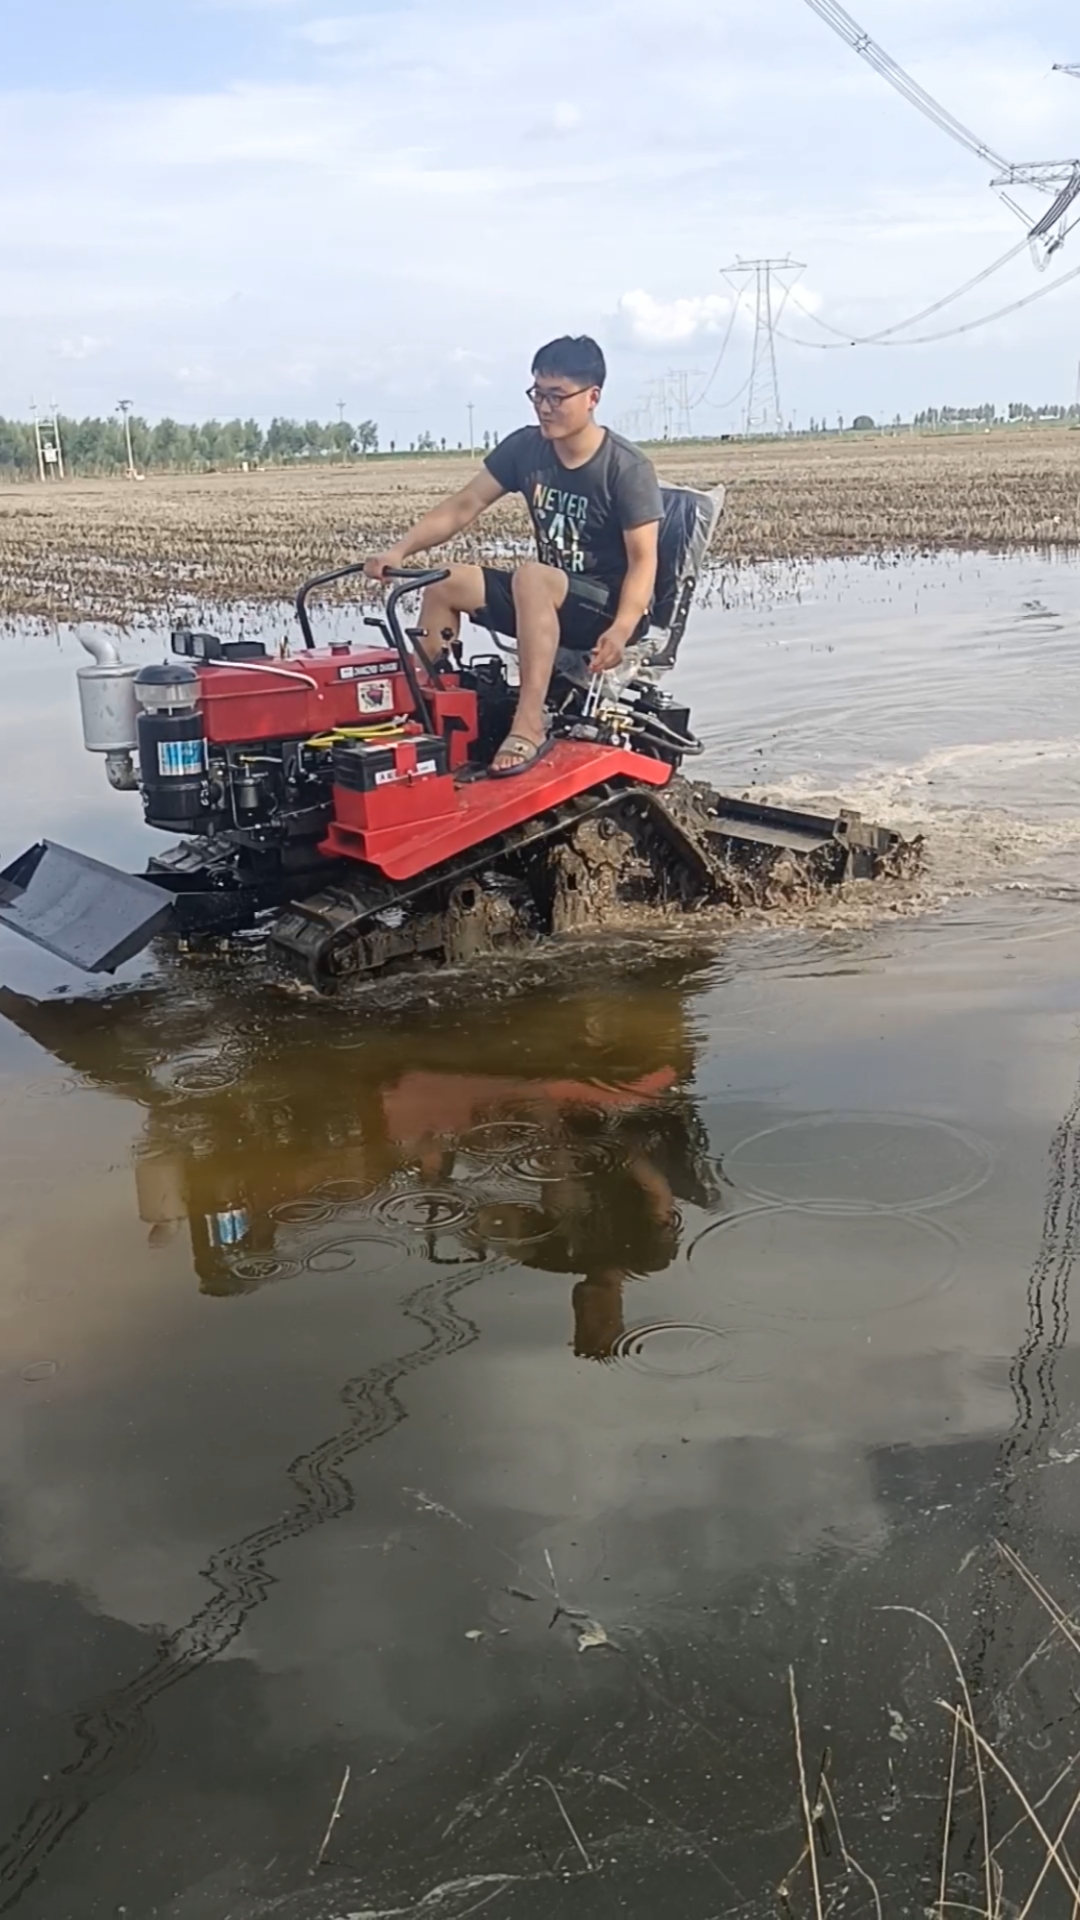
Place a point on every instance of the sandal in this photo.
(524, 753)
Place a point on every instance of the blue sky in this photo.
(234, 206)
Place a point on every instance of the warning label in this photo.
(375, 696)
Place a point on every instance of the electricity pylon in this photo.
(47, 442)
(763, 410)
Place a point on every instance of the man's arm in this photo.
(434, 529)
(635, 598)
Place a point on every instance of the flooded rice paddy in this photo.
(461, 1410)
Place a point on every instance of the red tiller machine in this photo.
(340, 798)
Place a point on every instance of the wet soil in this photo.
(180, 544)
(480, 1396)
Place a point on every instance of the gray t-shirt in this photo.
(580, 514)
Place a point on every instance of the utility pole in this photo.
(763, 410)
(341, 423)
(57, 442)
(37, 442)
(472, 437)
(124, 409)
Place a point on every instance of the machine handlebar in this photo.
(407, 579)
(418, 576)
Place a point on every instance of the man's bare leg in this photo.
(539, 592)
(443, 605)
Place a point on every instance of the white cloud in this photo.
(648, 322)
(419, 178)
(332, 31)
(83, 347)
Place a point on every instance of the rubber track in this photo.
(310, 930)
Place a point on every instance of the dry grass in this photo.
(1027, 1870)
(111, 549)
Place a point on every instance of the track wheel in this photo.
(483, 915)
(594, 875)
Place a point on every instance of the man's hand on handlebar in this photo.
(381, 564)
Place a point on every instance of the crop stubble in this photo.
(117, 550)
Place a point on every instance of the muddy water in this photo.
(482, 1396)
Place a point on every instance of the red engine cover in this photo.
(305, 694)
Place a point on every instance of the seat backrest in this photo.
(686, 533)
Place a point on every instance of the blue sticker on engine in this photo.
(229, 1228)
(181, 756)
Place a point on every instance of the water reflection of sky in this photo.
(725, 1293)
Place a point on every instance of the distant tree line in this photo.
(988, 415)
(95, 446)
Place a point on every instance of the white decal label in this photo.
(375, 696)
(388, 774)
(363, 669)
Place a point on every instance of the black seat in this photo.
(691, 517)
(686, 534)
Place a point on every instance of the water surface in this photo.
(494, 1387)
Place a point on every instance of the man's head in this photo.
(568, 378)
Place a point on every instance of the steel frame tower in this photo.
(47, 443)
(763, 410)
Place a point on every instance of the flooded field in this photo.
(107, 549)
(466, 1409)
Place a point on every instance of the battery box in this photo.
(381, 785)
(365, 766)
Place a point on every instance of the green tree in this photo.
(252, 441)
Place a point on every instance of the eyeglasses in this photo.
(553, 400)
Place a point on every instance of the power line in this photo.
(949, 333)
(1061, 177)
(719, 358)
(876, 339)
(842, 23)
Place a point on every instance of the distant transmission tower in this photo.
(763, 411)
(47, 443)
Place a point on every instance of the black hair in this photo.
(574, 355)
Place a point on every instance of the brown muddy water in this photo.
(480, 1396)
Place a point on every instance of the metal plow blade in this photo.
(89, 914)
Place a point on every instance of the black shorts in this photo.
(583, 617)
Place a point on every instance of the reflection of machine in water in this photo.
(289, 1141)
(561, 1135)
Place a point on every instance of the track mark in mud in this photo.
(115, 1732)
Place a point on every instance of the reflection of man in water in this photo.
(619, 1222)
(619, 1138)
